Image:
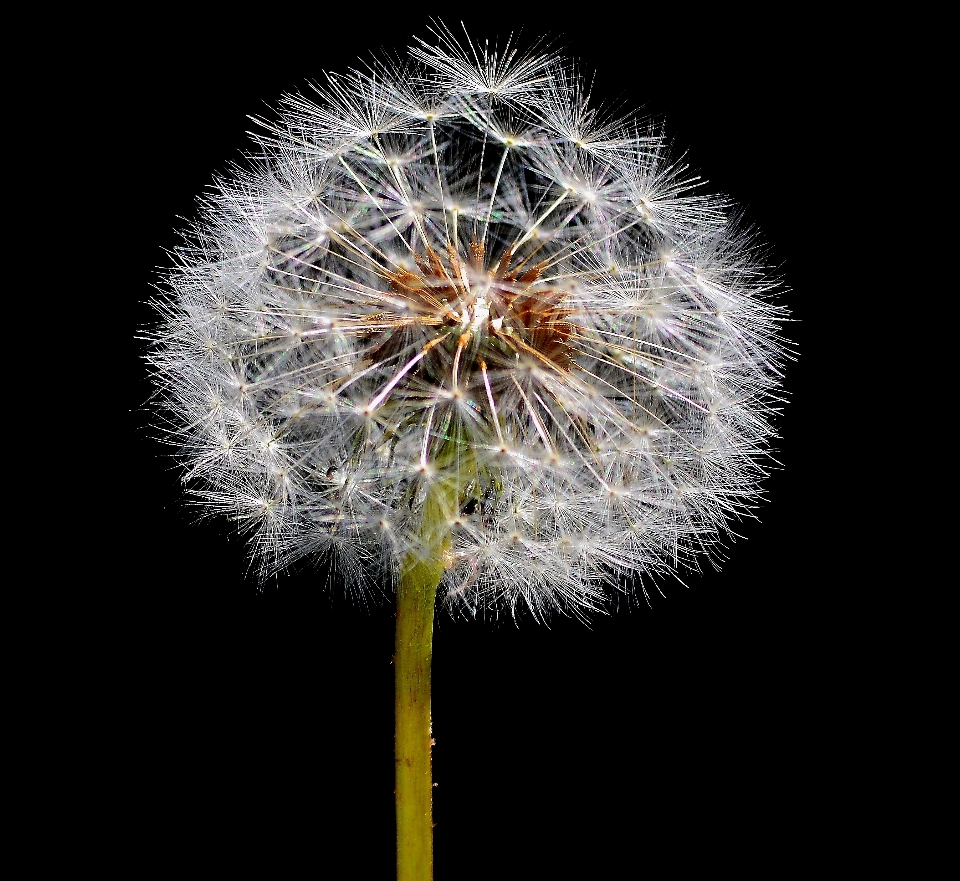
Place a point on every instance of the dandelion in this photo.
(462, 333)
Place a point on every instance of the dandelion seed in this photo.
(472, 258)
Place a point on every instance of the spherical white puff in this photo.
(458, 274)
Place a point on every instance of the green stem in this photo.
(415, 600)
(416, 596)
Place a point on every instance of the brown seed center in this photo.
(503, 306)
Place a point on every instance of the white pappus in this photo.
(457, 268)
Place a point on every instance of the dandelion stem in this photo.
(416, 595)
(414, 784)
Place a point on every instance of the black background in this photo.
(683, 729)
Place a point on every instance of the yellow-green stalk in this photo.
(416, 596)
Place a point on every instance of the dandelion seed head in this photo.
(456, 271)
